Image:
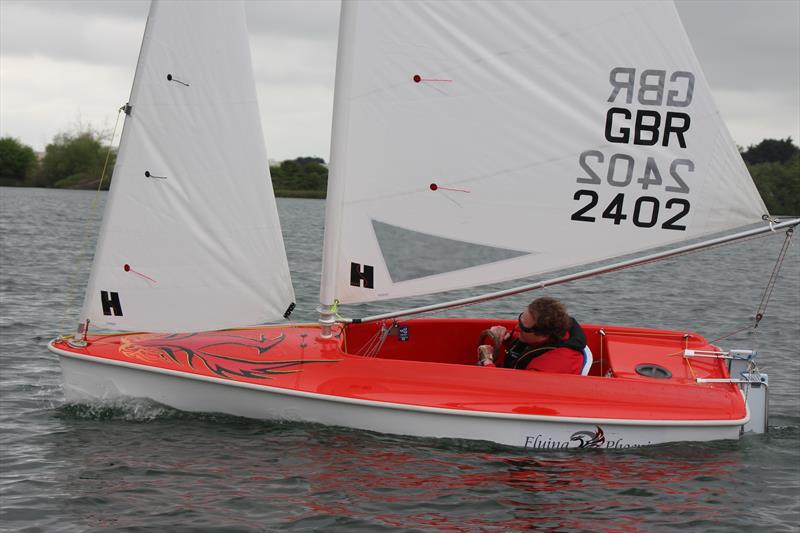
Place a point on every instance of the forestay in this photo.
(476, 142)
(190, 238)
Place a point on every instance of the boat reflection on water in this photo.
(154, 464)
(458, 491)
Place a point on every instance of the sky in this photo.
(66, 65)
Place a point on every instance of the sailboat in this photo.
(473, 143)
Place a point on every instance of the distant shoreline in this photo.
(317, 195)
(279, 193)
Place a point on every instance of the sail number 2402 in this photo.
(645, 212)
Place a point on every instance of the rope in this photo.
(384, 334)
(762, 307)
(375, 343)
(688, 361)
(765, 297)
(335, 311)
(731, 334)
(72, 281)
(369, 347)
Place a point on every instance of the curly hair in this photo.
(550, 316)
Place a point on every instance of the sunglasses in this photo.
(533, 329)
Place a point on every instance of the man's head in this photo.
(544, 319)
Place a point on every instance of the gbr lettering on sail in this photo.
(648, 108)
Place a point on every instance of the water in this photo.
(138, 465)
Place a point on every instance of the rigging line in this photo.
(368, 347)
(688, 362)
(384, 333)
(762, 307)
(773, 279)
(72, 281)
(379, 339)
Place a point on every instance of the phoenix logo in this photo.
(589, 439)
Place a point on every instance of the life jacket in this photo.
(519, 354)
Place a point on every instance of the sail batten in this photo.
(580, 130)
(190, 238)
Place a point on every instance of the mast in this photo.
(122, 151)
(338, 167)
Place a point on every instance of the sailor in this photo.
(546, 339)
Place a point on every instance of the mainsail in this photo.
(527, 136)
(190, 238)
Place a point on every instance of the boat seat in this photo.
(588, 359)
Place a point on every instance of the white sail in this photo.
(476, 142)
(190, 238)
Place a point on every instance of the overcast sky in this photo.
(64, 64)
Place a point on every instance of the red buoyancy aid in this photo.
(564, 355)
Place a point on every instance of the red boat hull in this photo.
(428, 365)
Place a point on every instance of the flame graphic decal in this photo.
(183, 350)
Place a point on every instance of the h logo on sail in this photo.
(111, 303)
(359, 277)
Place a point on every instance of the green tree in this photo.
(17, 162)
(75, 161)
(779, 184)
(303, 176)
(770, 151)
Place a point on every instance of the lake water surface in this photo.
(140, 466)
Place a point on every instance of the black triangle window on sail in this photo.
(410, 254)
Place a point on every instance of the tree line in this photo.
(76, 160)
(775, 167)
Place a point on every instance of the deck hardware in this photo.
(650, 370)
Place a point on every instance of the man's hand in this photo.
(485, 355)
(500, 332)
